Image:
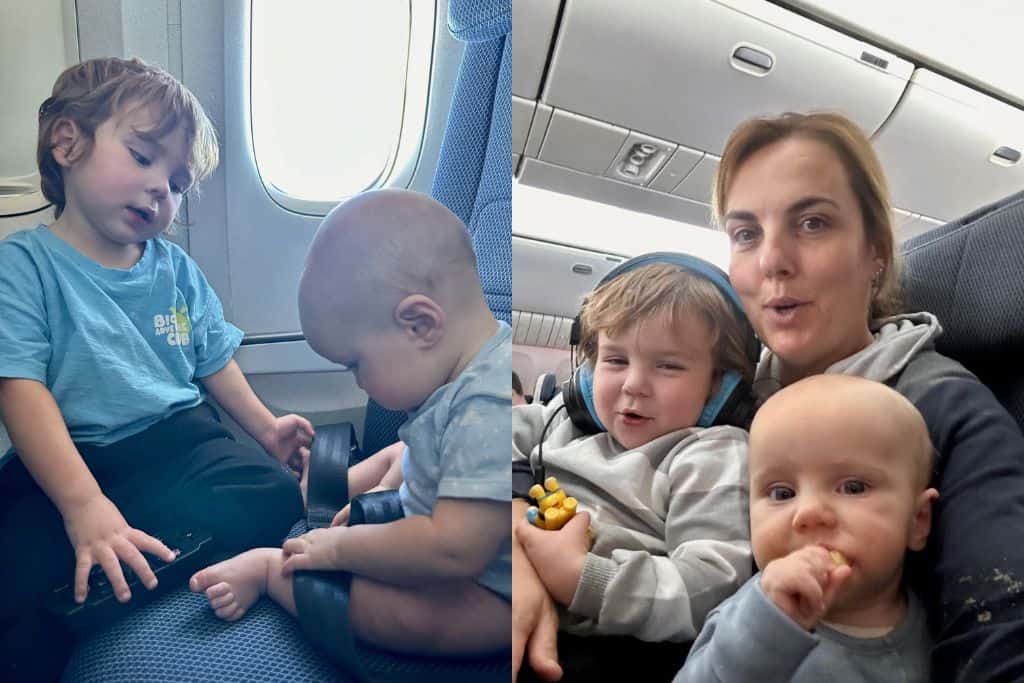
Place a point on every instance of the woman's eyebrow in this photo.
(808, 202)
(740, 216)
(795, 207)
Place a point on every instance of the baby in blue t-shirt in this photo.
(391, 292)
(111, 338)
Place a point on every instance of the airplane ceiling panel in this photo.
(688, 71)
(533, 24)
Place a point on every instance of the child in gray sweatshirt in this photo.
(665, 499)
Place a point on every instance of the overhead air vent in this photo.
(538, 329)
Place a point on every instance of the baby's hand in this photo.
(804, 583)
(288, 439)
(341, 519)
(304, 478)
(557, 556)
(316, 549)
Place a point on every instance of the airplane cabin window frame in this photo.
(396, 158)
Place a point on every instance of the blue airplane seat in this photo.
(474, 171)
(177, 637)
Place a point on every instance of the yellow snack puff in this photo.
(551, 500)
(553, 509)
(555, 518)
(837, 558)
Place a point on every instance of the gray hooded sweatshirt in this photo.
(670, 519)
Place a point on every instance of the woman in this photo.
(806, 208)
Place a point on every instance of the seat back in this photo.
(474, 171)
(545, 389)
(970, 274)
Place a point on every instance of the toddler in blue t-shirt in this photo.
(391, 292)
(111, 338)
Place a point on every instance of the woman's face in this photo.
(800, 260)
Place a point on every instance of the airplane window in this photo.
(331, 89)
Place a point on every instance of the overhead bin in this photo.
(690, 70)
(636, 107)
(552, 278)
(533, 24)
(948, 149)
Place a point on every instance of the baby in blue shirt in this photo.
(391, 291)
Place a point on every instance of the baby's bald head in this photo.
(839, 409)
(381, 246)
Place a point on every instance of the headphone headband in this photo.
(693, 264)
(686, 261)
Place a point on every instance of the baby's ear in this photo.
(66, 139)
(422, 319)
(922, 521)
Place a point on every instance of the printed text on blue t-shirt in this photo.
(175, 325)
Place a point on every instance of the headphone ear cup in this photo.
(739, 408)
(732, 404)
(578, 396)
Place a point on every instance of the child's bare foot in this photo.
(232, 586)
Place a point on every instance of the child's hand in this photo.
(100, 535)
(557, 556)
(288, 439)
(316, 549)
(804, 584)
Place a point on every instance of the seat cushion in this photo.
(178, 638)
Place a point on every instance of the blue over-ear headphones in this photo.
(732, 403)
